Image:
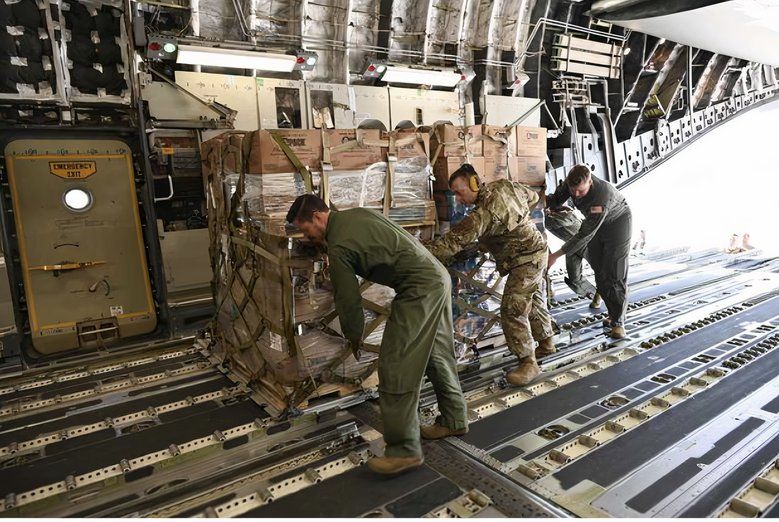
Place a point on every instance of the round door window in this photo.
(77, 199)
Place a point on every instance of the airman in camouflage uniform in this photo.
(502, 226)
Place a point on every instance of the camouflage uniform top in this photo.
(501, 224)
(603, 206)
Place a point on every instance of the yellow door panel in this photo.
(79, 233)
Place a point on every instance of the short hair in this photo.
(577, 175)
(465, 170)
(304, 206)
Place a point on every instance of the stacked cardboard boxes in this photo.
(518, 154)
(527, 160)
(527, 164)
(276, 323)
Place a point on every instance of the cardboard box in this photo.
(528, 170)
(449, 140)
(349, 150)
(495, 169)
(233, 152)
(445, 167)
(211, 157)
(529, 141)
(412, 144)
(266, 157)
(495, 142)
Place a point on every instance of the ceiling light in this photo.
(445, 78)
(233, 58)
(626, 51)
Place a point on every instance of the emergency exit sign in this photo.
(72, 169)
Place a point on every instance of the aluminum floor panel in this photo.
(71, 409)
(409, 495)
(84, 458)
(636, 277)
(27, 430)
(526, 416)
(626, 453)
(88, 382)
(582, 309)
(733, 482)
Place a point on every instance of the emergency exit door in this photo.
(80, 243)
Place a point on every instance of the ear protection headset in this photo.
(474, 182)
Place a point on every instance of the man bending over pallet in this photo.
(501, 224)
(418, 337)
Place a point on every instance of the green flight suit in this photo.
(418, 337)
(501, 224)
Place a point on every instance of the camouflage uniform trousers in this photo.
(523, 312)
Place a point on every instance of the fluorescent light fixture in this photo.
(233, 58)
(446, 78)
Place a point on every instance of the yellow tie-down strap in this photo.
(292, 157)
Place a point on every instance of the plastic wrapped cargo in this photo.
(274, 325)
(358, 188)
(412, 180)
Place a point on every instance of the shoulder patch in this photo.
(596, 209)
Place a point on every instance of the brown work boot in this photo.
(436, 431)
(617, 332)
(545, 347)
(597, 301)
(524, 373)
(607, 322)
(394, 465)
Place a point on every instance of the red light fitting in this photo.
(155, 46)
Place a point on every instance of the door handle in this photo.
(67, 265)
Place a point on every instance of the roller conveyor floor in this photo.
(679, 419)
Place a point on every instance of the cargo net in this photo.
(276, 325)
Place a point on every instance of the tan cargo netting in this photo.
(275, 325)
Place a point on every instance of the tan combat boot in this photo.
(597, 301)
(436, 431)
(617, 332)
(545, 347)
(394, 465)
(524, 373)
